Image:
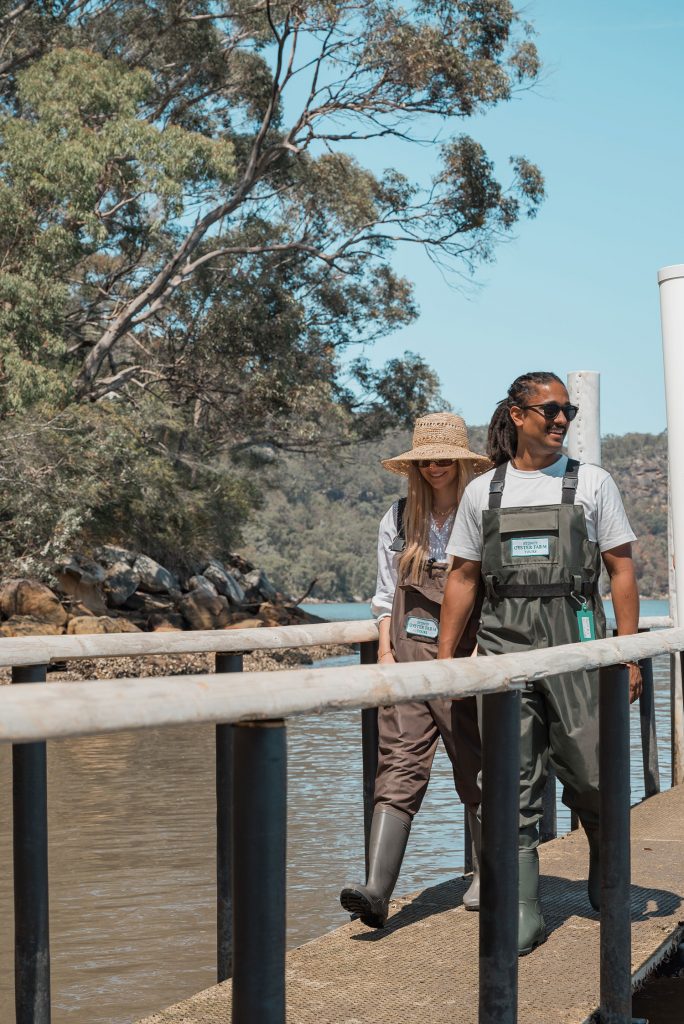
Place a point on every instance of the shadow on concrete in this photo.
(562, 898)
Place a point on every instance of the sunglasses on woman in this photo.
(424, 463)
(550, 410)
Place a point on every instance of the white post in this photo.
(584, 435)
(676, 702)
(671, 283)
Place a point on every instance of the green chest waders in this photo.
(539, 570)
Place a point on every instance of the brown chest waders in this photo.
(407, 740)
(539, 569)
(408, 733)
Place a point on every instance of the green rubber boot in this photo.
(389, 834)
(471, 897)
(531, 926)
(594, 882)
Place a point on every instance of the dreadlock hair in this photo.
(502, 437)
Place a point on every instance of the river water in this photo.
(131, 819)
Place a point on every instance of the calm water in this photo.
(132, 852)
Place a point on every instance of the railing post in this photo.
(31, 902)
(649, 737)
(467, 844)
(224, 828)
(259, 858)
(498, 1002)
(549, 828)
(369, 748)
(616, 941)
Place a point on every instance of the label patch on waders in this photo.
(526, 547)
(427, 629)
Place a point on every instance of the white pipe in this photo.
(41, 650)
(671, 282)
(29, 712)
(584, 435)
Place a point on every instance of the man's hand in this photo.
(460, 594)
(635, 681)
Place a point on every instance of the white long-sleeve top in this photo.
(388, 561)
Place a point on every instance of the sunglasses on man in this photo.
(550, 410)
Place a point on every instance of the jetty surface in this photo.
(422, 968)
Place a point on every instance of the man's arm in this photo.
(460, 593)
(625, 596)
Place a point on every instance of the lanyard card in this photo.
(585, 623)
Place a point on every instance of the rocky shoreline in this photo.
(114, 590)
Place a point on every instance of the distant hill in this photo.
(320, 516)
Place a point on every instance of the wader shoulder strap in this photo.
(570, 481)
(399, 542)
(496, 485)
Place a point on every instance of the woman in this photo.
(412, 569)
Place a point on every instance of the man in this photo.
(535, 529)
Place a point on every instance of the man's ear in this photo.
(517, 415)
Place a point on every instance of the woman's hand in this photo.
(386, 658)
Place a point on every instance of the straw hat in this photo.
(441, 435)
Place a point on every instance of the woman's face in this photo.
(440, 477)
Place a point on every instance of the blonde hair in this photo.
(417, 518)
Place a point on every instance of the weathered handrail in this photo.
(30, 713)
(41, 650)
(253, 751)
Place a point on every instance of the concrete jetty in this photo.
(422, 968)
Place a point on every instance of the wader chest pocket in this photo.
(529, 537)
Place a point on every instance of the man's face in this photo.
(539, 434)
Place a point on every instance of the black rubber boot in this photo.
(389, 835)
(531, 925)
(471, 897)
(594, 881)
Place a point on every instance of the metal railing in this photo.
(250, 712)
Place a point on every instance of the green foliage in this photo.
(187, 250)
(101, 473)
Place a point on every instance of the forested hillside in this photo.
(320, 517)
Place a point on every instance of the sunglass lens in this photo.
(424, 463)
(551, 410)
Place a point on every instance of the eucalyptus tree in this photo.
(190, 234)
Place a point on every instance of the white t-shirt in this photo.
(597, 493)
(388, 561)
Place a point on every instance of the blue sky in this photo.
(576, 288)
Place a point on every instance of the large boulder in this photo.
(166, 622)
(121, 580)
(148, 604)
(25, 597)
(81, 579)
(203, 610)
(154, 578)
(26, 625)
(224, 581)
(245, 624)
(200, 582)
(83, 624)
(109, 554)
(258, 587)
